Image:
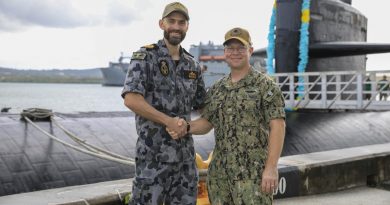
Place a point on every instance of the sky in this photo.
(81, 34)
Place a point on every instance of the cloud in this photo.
(119, 13)
(18, 15)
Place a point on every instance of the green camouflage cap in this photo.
(240, 34)
(175, 6)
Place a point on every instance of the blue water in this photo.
(64, 98)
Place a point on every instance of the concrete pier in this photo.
(358, 196)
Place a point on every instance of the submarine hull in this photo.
(31, 161)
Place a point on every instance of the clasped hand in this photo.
(177, 128)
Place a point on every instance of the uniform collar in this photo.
(164, 49)
(247, 80)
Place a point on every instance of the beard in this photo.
(173, 40)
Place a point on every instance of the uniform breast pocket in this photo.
(248, 111)
(189, 86)
(248, 123)
(190, 79)
(162, 84)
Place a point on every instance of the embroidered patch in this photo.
(164, 68)
(138, 56)
(189, 74)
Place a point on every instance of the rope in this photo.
(92, 150)
(88, 146)
(37, 113)
(85, 201)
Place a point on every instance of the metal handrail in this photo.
(342, 90)
(334, 90)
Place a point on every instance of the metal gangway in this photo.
(343, 90)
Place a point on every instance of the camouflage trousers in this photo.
(159, 183)
(238, 192)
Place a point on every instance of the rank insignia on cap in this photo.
(164, 68)
(235, 32)
(138, 56)
(189, 74)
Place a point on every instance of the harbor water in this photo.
(63, 98)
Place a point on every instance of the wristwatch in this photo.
(188, 126)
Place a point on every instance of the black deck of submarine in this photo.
(30, 161)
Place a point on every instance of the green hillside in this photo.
(51, 76)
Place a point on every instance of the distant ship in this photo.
(115, 73)
(211, 56)
(206, 54)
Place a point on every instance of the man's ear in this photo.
(251, 50)
(161, 24)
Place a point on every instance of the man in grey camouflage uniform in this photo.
(163, 85)
(246, 110)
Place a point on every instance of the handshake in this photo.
(177, 128)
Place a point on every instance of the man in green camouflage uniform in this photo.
(164, 84)
(246, 110)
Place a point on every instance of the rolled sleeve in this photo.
(209, 109)
(276, 113)
(136, 78)
(200, 95)
(206, 113)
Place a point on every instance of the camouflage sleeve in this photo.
(200, 95)
(209, 108)
(136, 77)
(273, 102)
